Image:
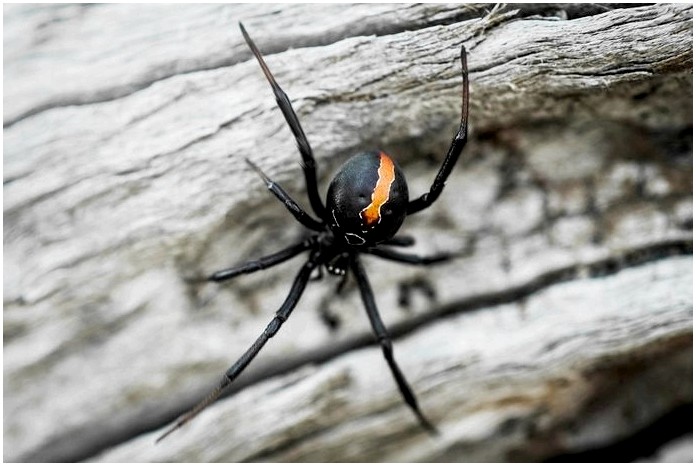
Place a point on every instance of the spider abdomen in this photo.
(367, 199)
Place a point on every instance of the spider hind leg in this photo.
(283, 313)
(384, 340)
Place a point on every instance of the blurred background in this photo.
(562, 331)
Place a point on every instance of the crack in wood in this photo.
(91, 439)
(71, 352)
(114, 93)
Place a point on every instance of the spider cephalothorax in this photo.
(366, 204)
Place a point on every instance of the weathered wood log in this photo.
(497, 390)
(126, 128)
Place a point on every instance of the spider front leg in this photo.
(281, 316)
(308, 163)
(453, 153)
(380, 332)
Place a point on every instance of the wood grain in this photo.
(126, 129)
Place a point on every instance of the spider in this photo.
(367, 202)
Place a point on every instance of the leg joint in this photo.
(386, 344)
(274, 326)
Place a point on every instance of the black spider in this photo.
(366, 204)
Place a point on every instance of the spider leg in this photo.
(404, 240)
(453, 153)
(262, 263)
(308, 163)
(231, 374)
(413, 259)
(386, 344)
(298, 212)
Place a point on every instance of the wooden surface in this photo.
(571, 303)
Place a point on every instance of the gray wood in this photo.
(126, 127)
(511, 396)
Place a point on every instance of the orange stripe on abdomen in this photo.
(371, 214)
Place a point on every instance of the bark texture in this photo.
(564, 325)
